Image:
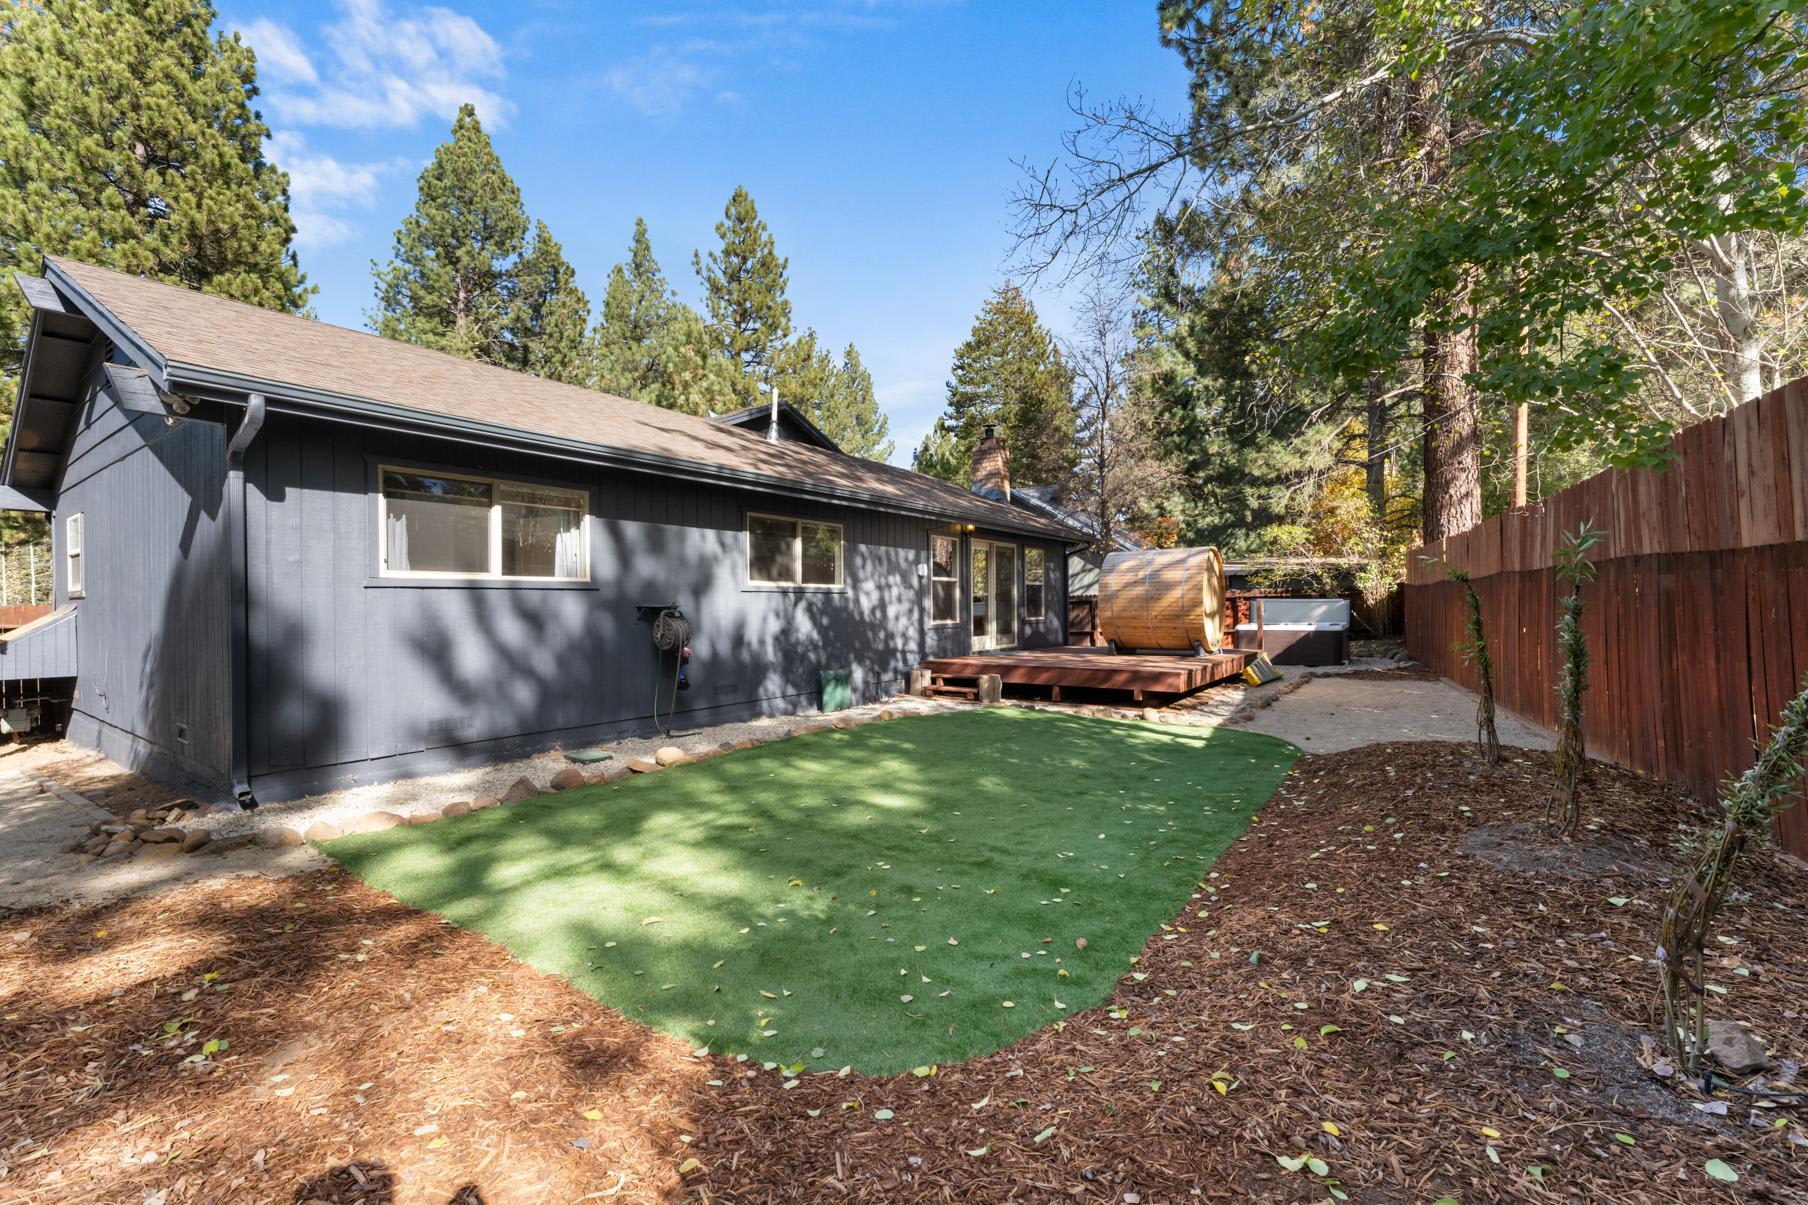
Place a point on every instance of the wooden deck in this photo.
(1093, 669)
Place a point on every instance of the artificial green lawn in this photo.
(868, 897)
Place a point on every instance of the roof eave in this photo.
(200, 380)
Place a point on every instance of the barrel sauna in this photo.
(1163, 598)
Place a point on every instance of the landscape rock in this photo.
(842, 722)
(372, 822)
(280, 837)
(887, 713)
(88, 859)
(196, 839)
(642, 765)
(116, 848)
(746, 742)
(1736, 1048)
(95, 827)
(521, 788)
(668, 755)
(322, 830)
(158, 853)
(569, 779)
(613, 771)
(138, 816)
(457, 808)
(726, 747)
(421, 818)
(485, 801)
(161, 836)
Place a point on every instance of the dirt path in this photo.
(1334, 712)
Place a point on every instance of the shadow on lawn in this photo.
(653, 854)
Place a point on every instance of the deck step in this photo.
(940, 686)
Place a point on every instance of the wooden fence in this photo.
(1698, 623)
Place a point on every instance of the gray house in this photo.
(291, 556)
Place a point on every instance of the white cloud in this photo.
(280, 57)
(384, 68)
(662, 81)
(323, 188)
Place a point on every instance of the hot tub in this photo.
(1299, 631)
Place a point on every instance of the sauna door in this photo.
(994, 595)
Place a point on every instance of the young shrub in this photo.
(1563, 808)
(1474, 650)
(1749, 802)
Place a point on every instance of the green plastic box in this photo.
(837, 689)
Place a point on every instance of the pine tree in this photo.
(939, 455)
(744, 291)
(651, 347)
(450, 283)
(546, 325)
(802, 371)
(127, 138)
(849, 413)
(637, 309)
(1009, 373)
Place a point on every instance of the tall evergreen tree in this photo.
(637, 308)
(450, 283)
(128, 139)
(939, 456)
(651, 347)
(848, 412)
(1009, 373)
(550, 312)
(744, 293)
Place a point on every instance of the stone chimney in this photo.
(991, 466)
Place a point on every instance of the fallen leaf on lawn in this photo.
(436, 1143)
(1045, 1135)
(883, 1114)
(1718, 1169)
(1292, 1163)
(977, 1151)
(593, 1114)
(1330, 1127)
(689, 1165)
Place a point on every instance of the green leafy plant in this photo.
(1575, 567)
(1749, 801)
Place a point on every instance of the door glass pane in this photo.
(981, 590)
(1004, 593)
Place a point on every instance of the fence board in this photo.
(1698, 622)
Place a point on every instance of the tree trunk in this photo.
(1736, 303)
(1452, 441)
(1522, 454)
(1375, 390)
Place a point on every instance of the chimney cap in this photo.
(989, 431)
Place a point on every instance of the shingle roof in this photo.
(190, 329)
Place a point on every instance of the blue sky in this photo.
(879, 140)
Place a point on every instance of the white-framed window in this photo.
(944, 579)
(793, 552)
(433, 524)
(1035, 579)
(72, 555)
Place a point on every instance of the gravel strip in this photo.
(418, 796)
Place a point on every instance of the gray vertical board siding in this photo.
(350, 668)
(48, 651)
(152, 631)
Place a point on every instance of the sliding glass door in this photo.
(994, 595)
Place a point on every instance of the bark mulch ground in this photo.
(1384, 976)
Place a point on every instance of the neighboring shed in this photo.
(294, 556)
